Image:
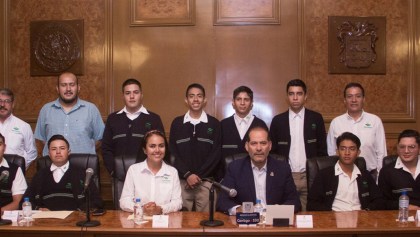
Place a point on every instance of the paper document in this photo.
(52, 214)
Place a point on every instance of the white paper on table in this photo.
(51, 214)
(11, 215)
(131, 217)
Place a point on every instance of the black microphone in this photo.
(89, 174)
(4, 175)
(232, 192)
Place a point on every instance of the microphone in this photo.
(4, 175)
(89, 174)
(232, 192)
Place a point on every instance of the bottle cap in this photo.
(26, 199)
(258, 201)
(138, 199)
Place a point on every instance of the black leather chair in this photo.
(229, 159)
(315, 164)
(17, 160)
(83, 161)
(389, 160)
(122, 163)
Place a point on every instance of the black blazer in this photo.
(313, 133)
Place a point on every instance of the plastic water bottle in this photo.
(27, 209)
(138, 212)
(258, 207)
(404, 201)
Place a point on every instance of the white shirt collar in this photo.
(139, 111)
(339, 171)
(246, 119)
(64, 167)
(203, 118)
(264, 168)
(400, 165)
(162, 172)
(4, 163)
(300, 114)
(351, 118)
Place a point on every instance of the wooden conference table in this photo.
(115, 223)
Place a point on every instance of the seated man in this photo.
(403, 173)
(344, 187)
(258, 176)
(12, 183)
(61, 186)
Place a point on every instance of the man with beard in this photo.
(18, 133)
(77, 120)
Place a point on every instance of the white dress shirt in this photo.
(369, 129)
(19, 139)
(163, 188)
(347, 197)
(134, 115)
(399, 164)
(19, 185)
(297, 153)
(260, 182)
(58, 172)
(243, 124)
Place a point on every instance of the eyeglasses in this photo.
(344, 148)
(7, 101)
(410, 148)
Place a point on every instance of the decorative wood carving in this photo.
(56, 46)
(245, 12)
(357, 45)
(162, 12)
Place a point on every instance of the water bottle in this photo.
(138, 212)
(259, 209)
(27, 209)
(403, 207)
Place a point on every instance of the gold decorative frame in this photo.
(357, 45)
(162, 12)
(245, 12)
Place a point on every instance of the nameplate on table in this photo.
(160, 221)
(304, 221)
(247, 218)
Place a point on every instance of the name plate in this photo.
(247, 218)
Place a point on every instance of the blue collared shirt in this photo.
(82, 126)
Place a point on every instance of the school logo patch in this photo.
(68, 186)
(313, 126)
(148, 126)
(210, 131)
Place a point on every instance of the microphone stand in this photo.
(88, 222)
(4, 222)
(211, 222)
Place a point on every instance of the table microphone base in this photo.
(212, 223)
(88, 223)
(5, 222)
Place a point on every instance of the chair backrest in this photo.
(17, 160)
(80, 160)
(315, 164)
(389, 160)
(229, 159)
(122, 163)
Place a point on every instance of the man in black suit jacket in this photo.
(258, 176)
(235, 128)
(295, 128)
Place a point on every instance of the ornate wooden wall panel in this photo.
(391, 96)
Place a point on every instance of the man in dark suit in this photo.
(296, 128)
(236, 127)
(258, 177)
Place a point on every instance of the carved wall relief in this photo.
(357, 45)
(56, 46)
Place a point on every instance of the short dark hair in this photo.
(348, 136)
(8, 92)
(131, 81)
(410, 133)
(296, 82)
(248, 138)
(195, 85)
(245, 89)
(354, 84)
(58, 78)
(58, 137)
(2, 138)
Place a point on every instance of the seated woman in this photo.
(153, 181)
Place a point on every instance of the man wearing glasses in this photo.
(403, 174)
(344, 187)
(18, 134)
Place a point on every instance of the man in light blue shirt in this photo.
(77, 120)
